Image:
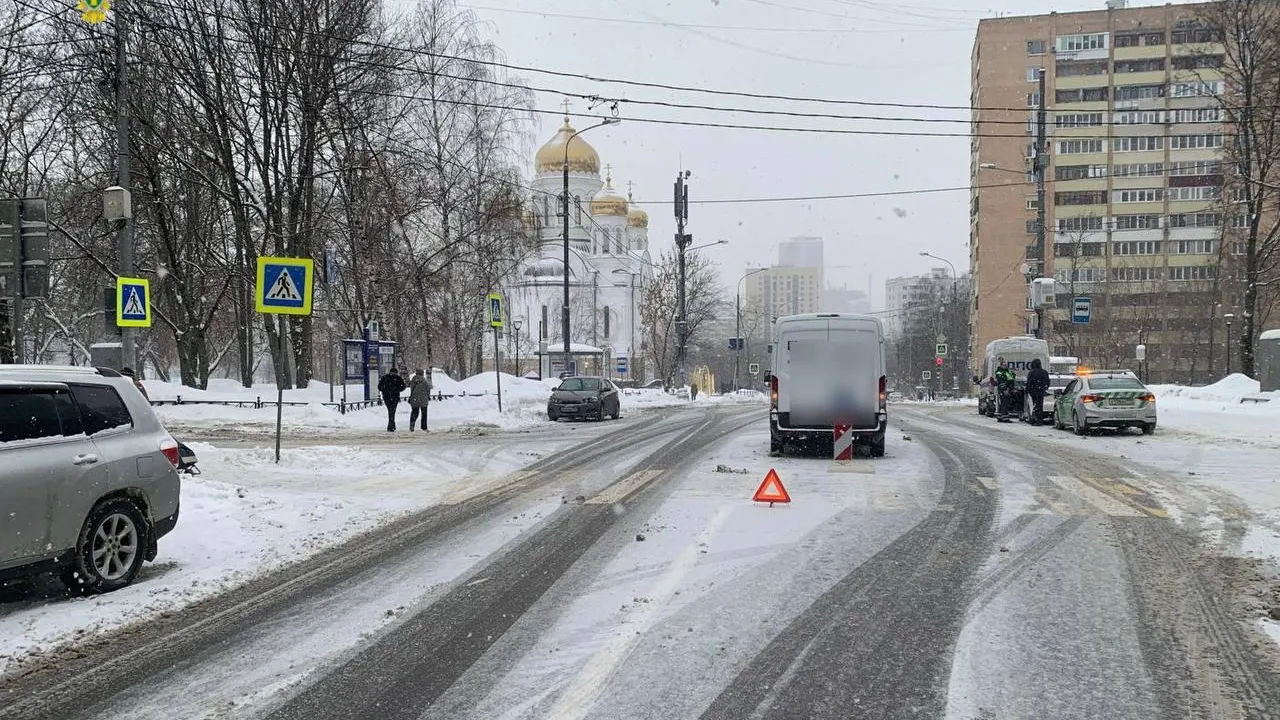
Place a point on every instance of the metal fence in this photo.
(258, 403)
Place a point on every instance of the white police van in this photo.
(1017, 352)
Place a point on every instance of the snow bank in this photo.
(1229, 389)
(512, 387)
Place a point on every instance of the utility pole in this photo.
(682, 243)
(1041, 161)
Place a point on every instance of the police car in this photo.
(1113, 399)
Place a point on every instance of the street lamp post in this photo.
(631, 324)
(954, 370)
(1229, 317)
(564, 209)
(516, 325)
(737, 333)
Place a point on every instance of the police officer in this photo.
(1005, 379)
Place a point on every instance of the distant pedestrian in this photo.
(128, 372)
(1037, 388)
(391, 385)
(419, 396)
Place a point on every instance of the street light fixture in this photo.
(1229, 317)
(564, 209)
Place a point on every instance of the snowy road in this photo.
(978, 572)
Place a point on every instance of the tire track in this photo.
(1197, 651)
(406, 670)
(76, 677)
(878, 644)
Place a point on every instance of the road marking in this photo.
(1135, 497)
(624, 487)
(577, 699)
(988, 482)
(1095, 497)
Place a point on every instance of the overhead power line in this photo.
(583, 76)
(697, 26)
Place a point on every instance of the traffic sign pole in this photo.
(496, 322)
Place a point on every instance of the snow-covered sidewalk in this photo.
(246, 516)
(473, 404)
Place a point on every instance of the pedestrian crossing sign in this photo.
(285, 285)
(133, 302)
(495, 310)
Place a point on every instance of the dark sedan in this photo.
(584, 397)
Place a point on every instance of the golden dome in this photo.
(636, 217)
(608, 201)
(582, 157)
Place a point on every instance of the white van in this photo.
(827, 368)
(1017, 352)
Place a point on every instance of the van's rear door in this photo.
(858, 356)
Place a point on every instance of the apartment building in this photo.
(1134, 210)
(785, 290)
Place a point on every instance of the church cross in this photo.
(565, 102)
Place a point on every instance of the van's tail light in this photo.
(170, 449)
(773, 391)
(1090, 398)
(884, 390)
(1148, 398)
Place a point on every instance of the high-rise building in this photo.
(782, 291)
(1134, 212)
(802, 251)
(844, 300)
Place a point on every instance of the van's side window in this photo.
(28, 415)
(101, 408)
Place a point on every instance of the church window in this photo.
(606, 322)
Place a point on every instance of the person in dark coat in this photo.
(1037, 388)
(391, 385)
(419, 396)
(128, 372)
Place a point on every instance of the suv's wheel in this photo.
(1148, 428)
(110, 549)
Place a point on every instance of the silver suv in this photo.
(88, 476)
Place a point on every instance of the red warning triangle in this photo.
(771, 490)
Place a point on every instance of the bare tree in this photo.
(704, 300)
(1250, 31)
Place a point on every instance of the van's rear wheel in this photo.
(877, 445)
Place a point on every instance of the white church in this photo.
(609, 264)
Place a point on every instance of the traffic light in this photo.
(937, 361)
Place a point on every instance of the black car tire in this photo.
(1148, 428)
(82, 575)
(1080, 428)
(877, 446)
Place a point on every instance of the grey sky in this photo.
(906, 52)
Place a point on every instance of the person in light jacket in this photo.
(419, 396)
